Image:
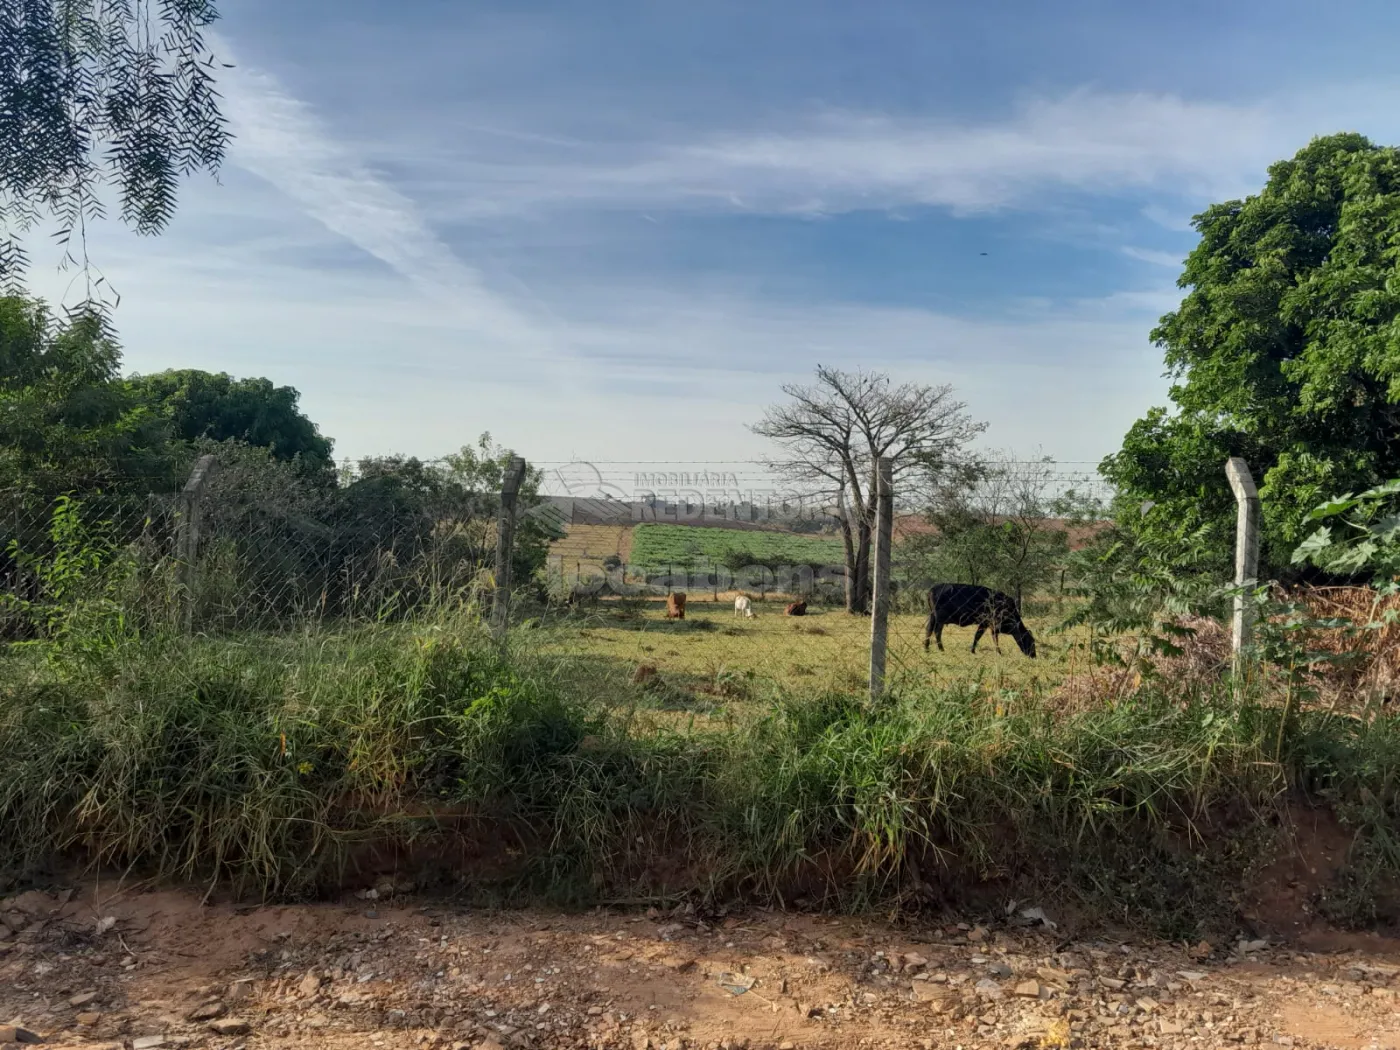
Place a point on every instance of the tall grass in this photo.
(270, 762)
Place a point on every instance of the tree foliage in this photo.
(220, 408)
(1361, 535)
(832, 432)
(96, 94)
(1005, 527)
(1285, 350)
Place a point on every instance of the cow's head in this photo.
(1024, 639)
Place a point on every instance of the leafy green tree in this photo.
(96, 94)
(64, 412)
(1285, 350)
(215, 406)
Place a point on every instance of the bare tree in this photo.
(833, 431)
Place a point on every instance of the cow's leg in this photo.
(928, 631)
(996, 640)
(981, 628)
(938, 634)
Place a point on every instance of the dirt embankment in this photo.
(151, 970)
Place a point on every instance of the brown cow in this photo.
(797, 609)
(675, 606)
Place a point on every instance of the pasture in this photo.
(715, 662)
(657, 547)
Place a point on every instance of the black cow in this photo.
(965, 604)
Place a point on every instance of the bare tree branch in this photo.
(833, 431)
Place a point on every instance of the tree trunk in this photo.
(848, 543)
(859, 590)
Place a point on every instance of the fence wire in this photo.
(276, 550)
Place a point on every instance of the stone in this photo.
(239, 990)
(310, 985)
(88, 1018)
(230, 1026)
(149, 1042)
(988, 989)
(999, 969)
(977, 935)
(1028, 989)
(13, 1033)
(206, 1011)
(1170, 1028)
(82, 999)
(1112, 983)
(914, 961)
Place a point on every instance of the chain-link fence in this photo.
(253, 545)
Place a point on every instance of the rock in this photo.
(925, 992)
(239, 990)
(310, 985)
(670, 930)
(490, 1042)
(149, 1042)
(206, 1011)
(595, 1011)
(914, 961)
(1112, 983)
(977, 935)
(1253, 946)
(988, 989)
(787, 1045)
(13, 1033)
(230, 1026)
(999, 969)
(88, 1018)
(1028, 989)
(1170, 1028)
(1192, 975)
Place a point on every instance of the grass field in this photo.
(656, 547)
(715, 663)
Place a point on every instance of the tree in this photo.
(1285, 350)
(96, 94)
(221, 408)
(1005, 528)
(833, 431)
(65, 415)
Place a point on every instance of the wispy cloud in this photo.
(843, 161)
(280, 139)
(1171, 260)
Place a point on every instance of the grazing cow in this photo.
(675, 606)
(798, 608)
(743, 605)
(965, 604)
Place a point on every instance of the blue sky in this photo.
(613, 230)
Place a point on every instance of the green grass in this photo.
(826, 649)
(657, 547)
(271, 762)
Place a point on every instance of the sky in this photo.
(613, 231)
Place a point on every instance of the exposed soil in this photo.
(102, 966)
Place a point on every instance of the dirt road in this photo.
(97, 967)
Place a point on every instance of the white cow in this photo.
(743, 605)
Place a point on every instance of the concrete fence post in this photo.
(880, 592)
(187, 526)
(505, 541)
(1246, 557)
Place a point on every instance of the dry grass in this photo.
(825, 649)
(1354, 668)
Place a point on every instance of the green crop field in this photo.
(656, 547)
